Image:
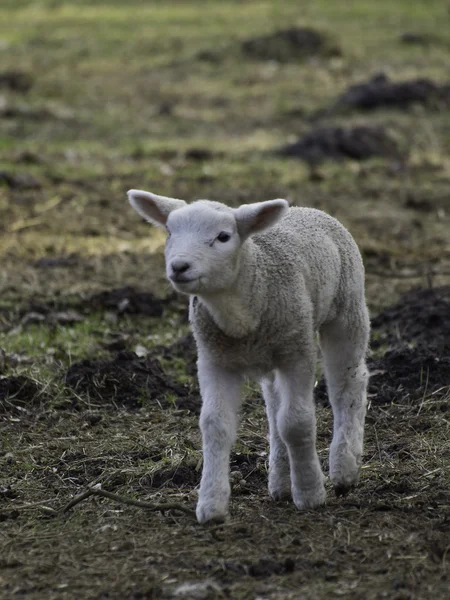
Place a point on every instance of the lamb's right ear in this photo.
(153, 208)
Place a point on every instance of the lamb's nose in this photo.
(179, 266)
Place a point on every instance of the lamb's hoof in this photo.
(280, 495)
(209, 512)
(307, 500)
(345, 480)
(343, 490)
(280, 488)
(344, 472)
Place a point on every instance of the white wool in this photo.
(263, 280)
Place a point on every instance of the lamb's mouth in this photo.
(186, 281)
(181, 283)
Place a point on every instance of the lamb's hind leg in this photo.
(279, 477)
(344, 345)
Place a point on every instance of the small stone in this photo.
(236, 476)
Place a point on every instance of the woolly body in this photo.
(263, 280)
(294, 277)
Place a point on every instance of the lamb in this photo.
(263, 279)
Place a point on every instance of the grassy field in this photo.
(99, 97)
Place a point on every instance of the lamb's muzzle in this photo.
(266, 278)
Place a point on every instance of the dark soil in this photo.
(183, 348)
(402, 513)
(19, 181)
(409, 375)
(127, 300)
(357, 143)
(289, 45)
(417, 361)
(19, 395)
(420, 39)
(16, 81)
(199, 154)
(122, 301)
(128, 381)
(419, 316)
(178, 477)
(22, 111)
(52, 262)
(248, 471)
(381, 92)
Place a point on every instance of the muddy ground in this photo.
(343, 108)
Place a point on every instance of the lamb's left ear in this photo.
(153, 208)
(253, 218)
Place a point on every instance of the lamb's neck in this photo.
(237, 311)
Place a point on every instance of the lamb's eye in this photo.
(168, 233)
(223, 237)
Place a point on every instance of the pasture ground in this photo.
(97, 368)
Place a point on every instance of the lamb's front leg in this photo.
(220, 392)
(296, 422)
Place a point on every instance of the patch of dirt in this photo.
(419, 316)
(249, 470)
(404, 373)
(409, 374)
(19, 181)
(246, 474)
(184, 348)
(23, 111)
(16, 81)
(420, 39)
(51, 318)
(288, 45)
(264, 567)
(380, 91)
(128, 381)
(51, 262)
(199, 154)
(127, 300)
(178, 477)
(18, 395)
(358, 143)
(211, 56)
(28, 158)
(71, 309)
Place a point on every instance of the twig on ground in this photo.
(97, 491)
(77, 500)
(147, 505)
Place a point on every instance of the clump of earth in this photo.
(416, 362)
(130, 381)
(381, 92)
(287, 45)
(358, 143)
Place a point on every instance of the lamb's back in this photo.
(309, 253)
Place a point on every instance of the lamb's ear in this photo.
(253, 218)
(153, 208)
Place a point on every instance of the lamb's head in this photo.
(205, 238)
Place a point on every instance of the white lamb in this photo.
(263, 279)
